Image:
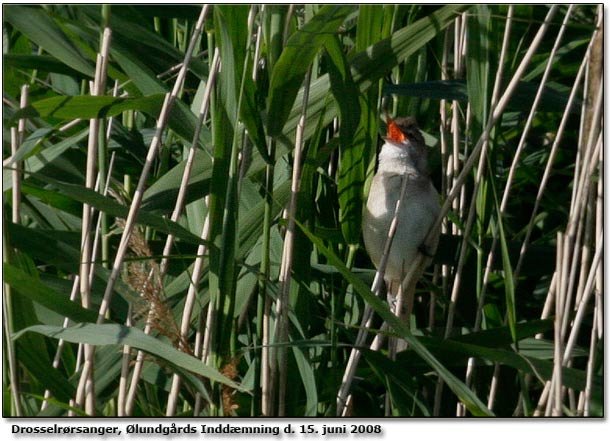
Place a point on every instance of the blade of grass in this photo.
(295, 61)
(467, 396)
(284, 280)
(179, 204)
(114, 334)
(137, 198)
(38, 292)
(42, 30)
(353, 152)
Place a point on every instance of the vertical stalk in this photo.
(186, 316)
(134, 208)
(16, 140)
(264, 302)
(560, 296)
(282, 325)
(178, 208)
(17, 136)
(514, 165)
(496, 89)
(343, 395)
(86, 385)
(76, 282)
(497, 111)
(275, 35)
(7, 323)
(261, 363)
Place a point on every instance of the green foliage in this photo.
(363, 60)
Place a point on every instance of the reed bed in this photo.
(183, 190)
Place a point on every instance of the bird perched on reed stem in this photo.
(402, 179)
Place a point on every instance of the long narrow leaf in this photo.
(354, 154)
(43, 158)
(466, 395)
(111, 334)
(37, 291)
(42, 30)
(290, 70)
(87, 107)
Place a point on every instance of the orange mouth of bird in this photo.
(393, 132)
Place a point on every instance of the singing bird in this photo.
(402, 157)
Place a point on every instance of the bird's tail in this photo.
(402, 294)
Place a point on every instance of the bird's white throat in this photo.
(396, 159)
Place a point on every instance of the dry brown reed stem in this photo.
(203, 343)
(85, 388)
(521, 143)
(279, 368)
(203, 336)
(76, 283)
(440, 273)
(17, 138)
(186, 316)
(343, 396)
(583, 408)
(574, 215)
(597, 323)
(505, 198)
(24, 100)
(125, 362)
(590, 163)
(152, 153)
(571, 232)
(81, 348)
(451, 164)
(202, 340)
(460, 59)
(98, 231)
(15, 178)
(178, 208)
(496, 114)
(182, 190)
(461, 408)
(265, 299)
(198, 349)
(546, 175)
(585, 299)
(60, 343)
(266, 361)
(476, 152)
(134, 208)
(10, 349)
(582, 292)
(549, 300)
(598, 313)
(561, 268)
(590, 156)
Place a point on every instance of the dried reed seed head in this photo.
(143, 277)
(230, 370)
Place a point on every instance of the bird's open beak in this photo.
(393, 132)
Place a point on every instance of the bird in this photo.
(402, 161)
